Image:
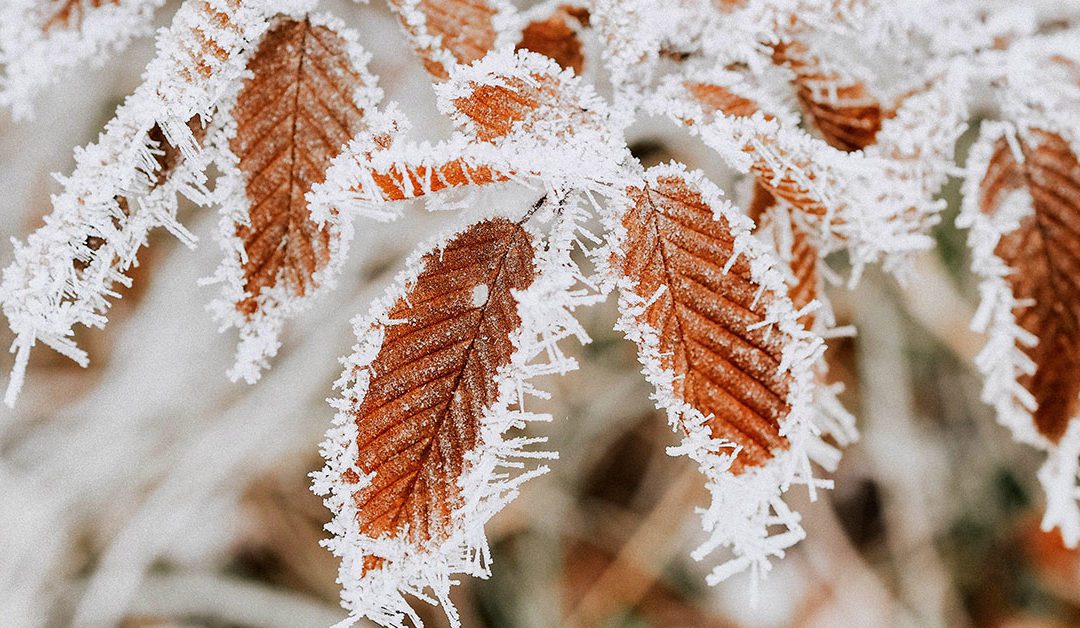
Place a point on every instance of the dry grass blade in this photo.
(293, 116)
(1044, 254)
(434, 377)
(725, 367)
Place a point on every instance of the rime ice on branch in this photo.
(65, 272)
(41, 42)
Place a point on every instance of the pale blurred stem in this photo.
(642, 558)
(931, 298)
(906, 462)
(229, 600)
(837, 567)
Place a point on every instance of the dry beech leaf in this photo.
(788, 186)
(494, 109)
(716, 98)
(804, 280)
(675, 254)
(729, 6)
(68, 14)
(292, 117)
(433, 378)
(523, 91)
(463, 29)
(842, 109)
(1044, 255)
(761, 200)
(784, 182)
(557, 38)
(1003, 175)
(402, 181)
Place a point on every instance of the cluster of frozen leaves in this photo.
(840, 115)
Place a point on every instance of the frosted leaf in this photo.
(474, 359)
(58, 280)
(528, 107)
(555, 35)
(305, 99)
(521, 117)
(719, 340)
(446, 33)
(42, 42)
(841, 107)
(852, 201)
(1022, 193)
(367, 175)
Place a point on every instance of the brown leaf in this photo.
(716, 98)
(802, 260)
(779, 183)
(1003, 175)
(803, 280)
(729, 6)
(494, 109)
(212, 48)
(556, 38)
(523, 96)
(68, 14)
(292, 117)
(760, 202)
(402, 182)
(463, 28)
(703, 317)
(841, 108)
(1044, 254)
(787, 185)
(434, 377)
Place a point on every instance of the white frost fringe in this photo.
(43, 294)
(429, 45)
(874, 209)
(33, 58)
(565, 142)
(259, 334)
(496, 468)
(1002, 361)
(743, 507)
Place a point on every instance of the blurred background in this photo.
(148, 490)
